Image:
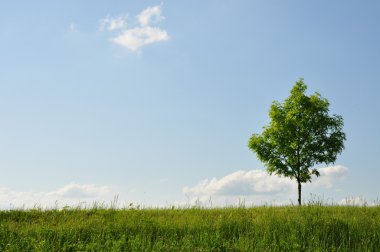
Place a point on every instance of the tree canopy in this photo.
(300, 135)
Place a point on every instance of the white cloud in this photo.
(81, 191)
(150, 14)
(329, 175)
(71, 194)
(256, 187)
(242, 183)
(357, 201)
(134, 38)
(112, 24)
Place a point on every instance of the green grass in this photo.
(288, 228)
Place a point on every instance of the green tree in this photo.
(300, 135)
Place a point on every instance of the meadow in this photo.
(264, 228)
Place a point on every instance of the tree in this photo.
(300, 135)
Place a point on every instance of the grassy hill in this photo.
(288, 228)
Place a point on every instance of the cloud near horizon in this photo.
(71, 194)
(257, 186)
(134, 38)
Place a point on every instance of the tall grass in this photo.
(267, 228)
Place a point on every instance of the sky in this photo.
(153, 102)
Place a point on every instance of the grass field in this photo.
(287, 228)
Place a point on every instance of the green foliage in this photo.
(300, 135)
(308, 228)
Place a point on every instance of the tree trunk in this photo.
(299, 193)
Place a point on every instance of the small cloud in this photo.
(134, 38)
(81, 191)
(257, 186)
(112, 24)
(150, 15)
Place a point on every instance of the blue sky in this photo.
(155, 100)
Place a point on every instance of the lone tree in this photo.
(300, 135)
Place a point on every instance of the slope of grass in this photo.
(307, 228)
